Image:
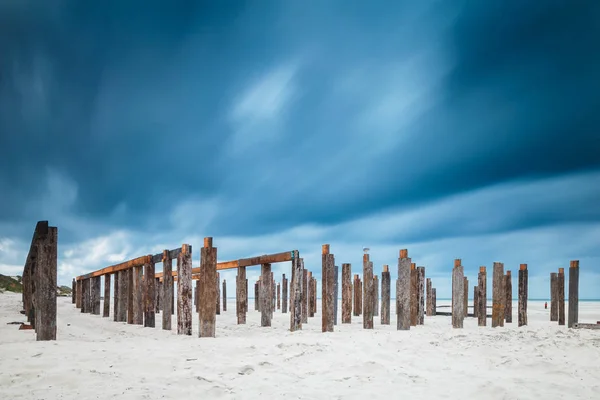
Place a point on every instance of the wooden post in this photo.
(553, 296)
(476, 302)
(458, 294)
(482, 297)
(428, 301)
(95, 295)
(508, 298)
(256, 296)
(368, 293)
(403, 292)
(296, 293)
(158, 287)
(327, 298)
(208, 293)
(315, 293)
(355, 287)
(138, 305)
(116, 296)
(73, 290)
(241, 296)
(265, 295)
(224, 295)
(45, 283)
(85, 295)
(78, 295)
(218, 303)
(466, 298)
(346, 293)
(434, 301)
(414, 295)
(311, 296)
(167, 297)
(523, 277)
(573, 293)
(421, 295)
(130, 297)
(336, 271)
(375, 295)
(561, 296)
(150, 297)
(304, 294)
(278, 296)
(184, 290)
(385, 295)
(106, 303)
(197, 296)
(498, 295)
(272, 294)
(284, 294)
(123, 290)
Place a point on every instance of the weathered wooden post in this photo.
(561, 296)
(327, 297)
(368, 294)
(123, 297)
(296, 293)
(434, 301)
(573, 293)
(130, 288)
(79, 294)
(224, 295)
(284, 294)
(466, 298)
(553, 296)
(272, 294)
(428, 302)
(184, 291)
(241, 296)
(278, 296)
(508, 298)
(346, 293)
(355, 287)
(311, 296)
(482, 297)
(218, 303)
(116, 296)
(421, 295)
(385, 295)
(375, 295)
(403, 292)
(304, 294)
(265, 295)
(45, 282)
(150, 297)
(73, 290)
(414, 295)
(336, 270)
(315, 294)
(158, 285)
(208, 293)
(167, 297)
(95, 295)
(476, 302)
(498, 295)
(85, 295)
(458, 294)
(256, 296)
(523, 277)
(106, 304)
(138, 305)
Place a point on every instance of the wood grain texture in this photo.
(573, 317)
(167, 292)
(553, 296)
(482, 297)
(403, 292)
(523, 293)
(368, 293)
(184, 291)
(296, 294)
(150, 295)
(284, 294)
(421, 295)
(508, 297)
(336, 270)
(241, 297)
(458, 295)
(138, 305)
(561, 296)
(346, 293)
(208, 289)
(385, 297)
(95, 295)
(106, 303)
(375, 295)
(498, 295)
(45, 276)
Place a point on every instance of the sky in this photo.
(454, 129)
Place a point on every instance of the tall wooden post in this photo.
(184, 291)
(476, 302)
(278, 296)
(138, 305)
(241, 296)
(256, 296)
(272, 295)
(85, 295)
(403, 292)
(458, 294)
(130, 298)
(208, 293)
(73, 291)
(421, 294)
(385, 295)
(573, 293)
(523, 290)
(95, 295)
(498, 295)
(304, 294)
(328, 273)
(482, 297)
(368, 298)
(315, 294)
(553, 296)
(428, 302)
(158, 287)
(116, 295)
(508, 298)
(355, 287)
(265, 295)
(106, 304)
(376, 295)
(150, 297)
(336, 270)
(224, 295)
(346, 293)
(296, 293)
(167, 297)
(311, 296)
(434, 301)
(414, 295)
(466, 298)
(284, 294)
(78, 295)
(45, 283)
(218, 304)
(123, 295)
(561, 296)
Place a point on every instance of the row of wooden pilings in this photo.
(557, 295)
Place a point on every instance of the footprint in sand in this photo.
(246, 370)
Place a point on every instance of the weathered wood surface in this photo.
(336, 270)
(375, 295)
(265, 295)
(44, 275)
(278, 296)
(272, 295)
(403, 292)
(573, 317)
(553, 296)
(482, 297)
(311, 296)
(414, 295)
(160, 292)
(368, 293)
(346, 293)
(138, 305)
(150, 296)
(123, 293)
(241, 297)
(561, 296)
(458, 295)
(95, 295)
(498, 295)
(284, 294)
(523, 293)
(106, 302)
(184, 291)
(78, 295)
(197, 296)
(428, 303)
(296, 293)
(130, 297)
(578, 325)
(87, 296)
(73, 290)
(218, 304)
(421, 295)
(224, 291)
(256, 296)
(136, 262)
(304, 294)
(167, 297)
(385, 295)
(434, 301)
(466, 298)
(355, 287)
(508, 297)
(314, 294)
(208, 292)
(116, 295)
(327, 297)
(476, 301)
(31, 274)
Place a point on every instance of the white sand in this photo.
(97, 358)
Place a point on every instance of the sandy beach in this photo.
(97, 358)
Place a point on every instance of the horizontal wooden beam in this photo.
(586, 326)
